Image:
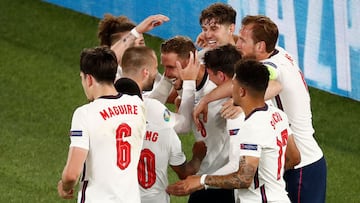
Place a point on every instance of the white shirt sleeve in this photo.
(183, 118)
(177, 156)
(78, 133)
(162, 90)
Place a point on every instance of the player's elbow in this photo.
(182, 127)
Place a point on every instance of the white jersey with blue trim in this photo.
(294, 100)
(213, 133)
(161, 147)
(264, 135)
(112, 129)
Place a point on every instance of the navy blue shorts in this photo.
(212, 196)
(307, 184)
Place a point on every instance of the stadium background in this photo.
(321, 34)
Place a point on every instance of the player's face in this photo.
(236, 92)
(214, 77)
(245, 44)
(168, 60)
(153, 71)
(216, 34)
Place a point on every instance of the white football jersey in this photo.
(161, 147)
(213, 132)
(264, 135)
(294, 100)
(112, 129)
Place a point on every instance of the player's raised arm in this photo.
(188, 74)
(146, 25)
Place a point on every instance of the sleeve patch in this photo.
(253, 147)
(233, 131)
(76, 133)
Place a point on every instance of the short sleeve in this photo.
(177, 156)
(78, 133)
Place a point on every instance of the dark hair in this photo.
(127, 86)
(253, 75)
(112, 28)
(180, 45)
(222, 59)
(100, 62)
(263, 29)
(220, 12)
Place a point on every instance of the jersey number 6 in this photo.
(123, 147)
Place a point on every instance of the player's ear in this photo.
(261, 46)
(89, 79)
(242, 91)
(145, 72)
(221, 75)
(232, 28)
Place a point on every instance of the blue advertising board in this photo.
(323, 35)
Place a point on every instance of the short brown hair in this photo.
(111, 28)
(180, 45)
(220, 12)
(263, 29)
(135, 58)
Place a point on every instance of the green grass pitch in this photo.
(40, 87)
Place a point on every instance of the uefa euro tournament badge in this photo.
(166, 115)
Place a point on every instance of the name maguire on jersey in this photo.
(119, 110)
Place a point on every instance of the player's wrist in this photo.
(202, 181)
(135, 33)
(64, 187)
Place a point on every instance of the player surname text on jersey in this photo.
(276, 117)
(119, 110)
(151, 136)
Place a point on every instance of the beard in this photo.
(149, 85)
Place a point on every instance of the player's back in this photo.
(115, 126)
(264, 135)
(161, 147)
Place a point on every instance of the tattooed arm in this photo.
(239, 179)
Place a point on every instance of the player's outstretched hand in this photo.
(229, 111)
(150, 22)
(64, 194)
(191, 70)
(185, 187)
(200, 110)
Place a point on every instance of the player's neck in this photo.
(104, 90)
(250, 105)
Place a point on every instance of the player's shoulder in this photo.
(276, 110)
(158, 114)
